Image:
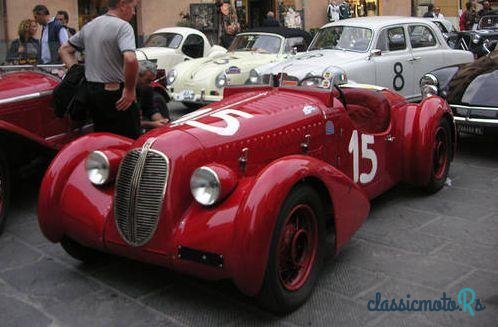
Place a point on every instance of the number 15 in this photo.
(366, 153)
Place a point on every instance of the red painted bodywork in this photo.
(26, 109)
(288, 141)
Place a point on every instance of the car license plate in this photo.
(475, 130)
(185, 95)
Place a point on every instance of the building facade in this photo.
(154, 14)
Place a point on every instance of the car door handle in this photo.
(415, 59)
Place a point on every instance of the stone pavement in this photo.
(411, 244)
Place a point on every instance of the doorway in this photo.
(90, 9)
(257, 10)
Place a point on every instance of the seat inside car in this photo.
(368, 109)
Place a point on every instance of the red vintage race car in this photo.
(249, 188)
(29, 129)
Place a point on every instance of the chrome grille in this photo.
(140, 188)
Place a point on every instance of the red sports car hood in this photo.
(249, 116)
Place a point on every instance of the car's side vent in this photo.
(140, 189)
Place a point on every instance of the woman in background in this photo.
(24, 50)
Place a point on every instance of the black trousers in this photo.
(106, 118)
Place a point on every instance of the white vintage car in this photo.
(172, 45)
(202, 80)
(393, 52)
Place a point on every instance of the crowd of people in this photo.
(27, 49)
(470, 17)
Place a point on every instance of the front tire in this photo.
(296, 252)
(4, 191)
(81, 252)
(441, 157)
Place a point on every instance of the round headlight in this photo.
(253, 76)
(205, 186)
(429, 79)
(171, 76)
(429, 85)
(97, 168)
(221, 80)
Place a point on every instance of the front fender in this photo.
(58, 173)
(420, 123)
(257, 215)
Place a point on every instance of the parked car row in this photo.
(392, 52)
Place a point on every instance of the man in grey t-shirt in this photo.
(110, 68)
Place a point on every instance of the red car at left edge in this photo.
(29, 129)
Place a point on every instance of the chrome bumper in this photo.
(476, 121)
(482, 116)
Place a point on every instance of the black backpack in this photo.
(70, 95)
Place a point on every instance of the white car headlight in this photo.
(205, 186)
(97, 168)
(221, 80)
(253, 76)
(171, 76)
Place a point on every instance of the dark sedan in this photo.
(480, 40)
(472, 92)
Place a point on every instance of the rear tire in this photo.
(441, 156)
(4, 191)
(296, 252)
(81, 252)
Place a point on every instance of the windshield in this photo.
(488, 22)
(342, 38)
(256, 42)
(164, 40)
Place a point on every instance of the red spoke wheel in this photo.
(297, 247)
(441, 156)
(4, 190)
(296, 251)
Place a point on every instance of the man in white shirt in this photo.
(54, 34)
(437, 13)
(333, 11)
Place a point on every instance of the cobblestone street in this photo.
(410, 244)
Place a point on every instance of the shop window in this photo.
(89, 9)
(363, 8)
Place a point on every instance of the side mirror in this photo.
(294, 50)
(375, 53)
